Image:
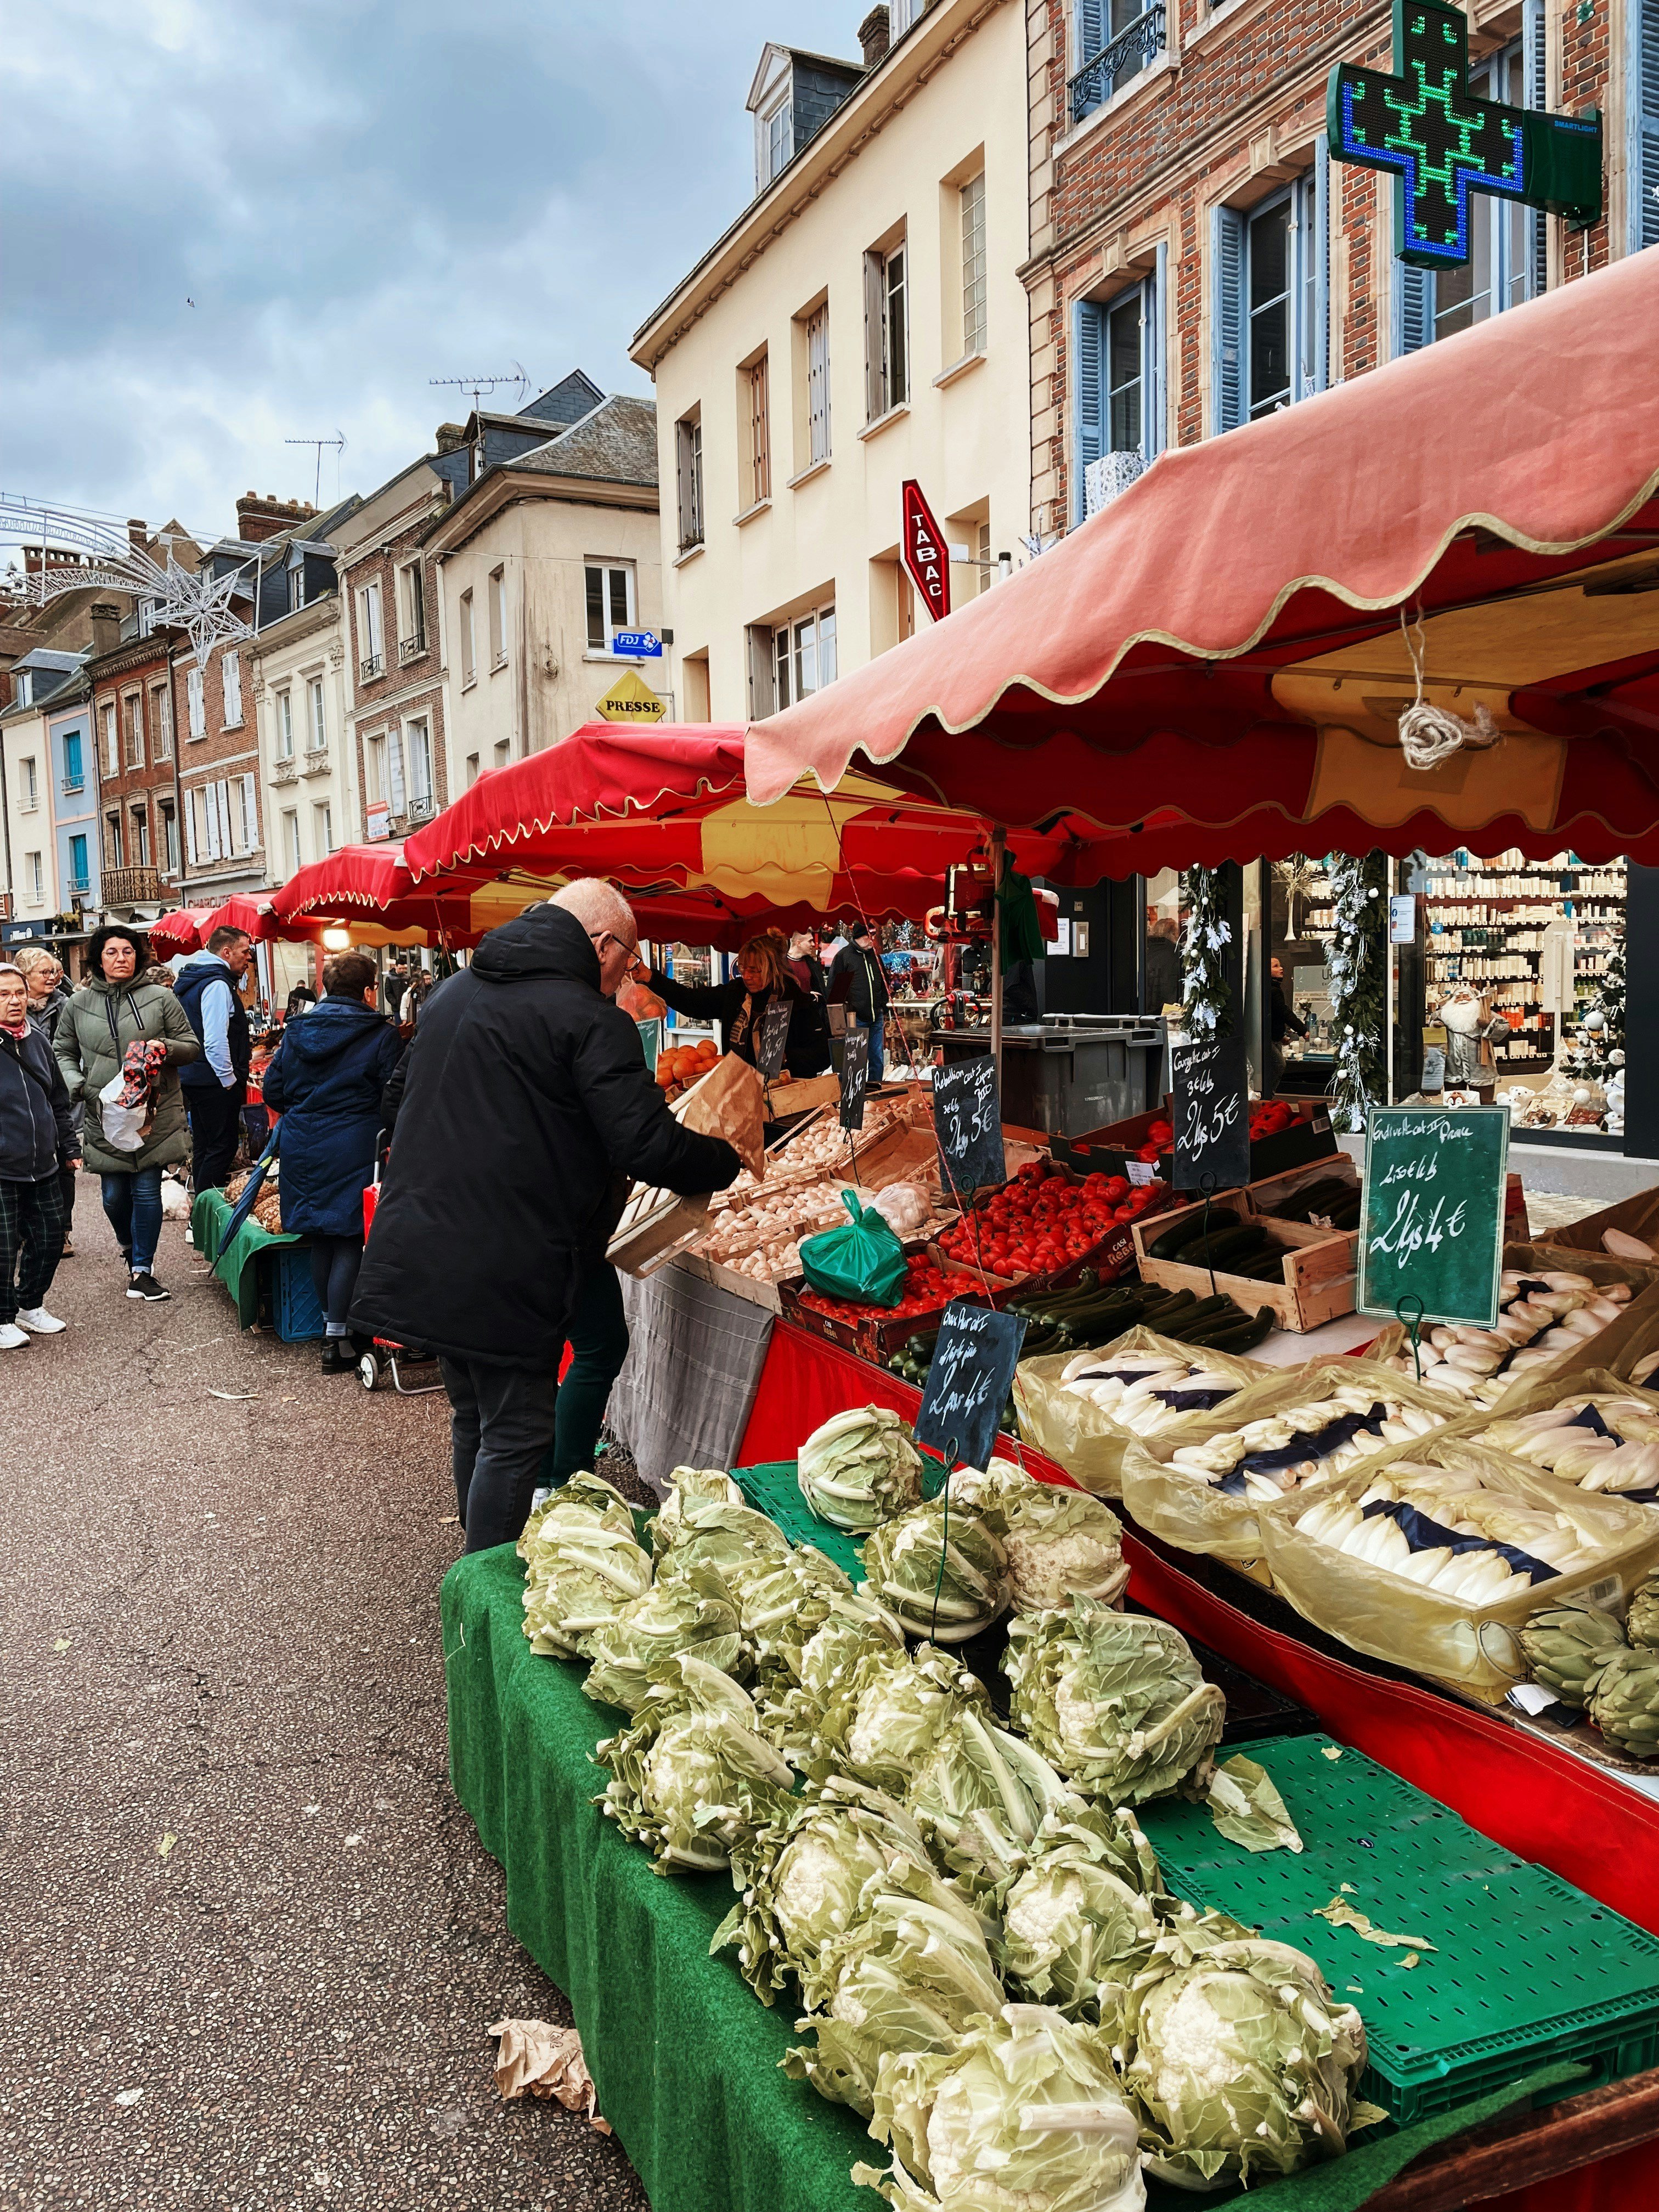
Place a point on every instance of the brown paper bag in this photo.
(729, 1102)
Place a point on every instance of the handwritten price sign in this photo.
(1432, 1223)
(967, 1122)
(968, 1379)
(1212, 1116)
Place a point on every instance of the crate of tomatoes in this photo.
(1047, 1225)
(930, 1284)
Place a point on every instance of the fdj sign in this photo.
(1441, 143)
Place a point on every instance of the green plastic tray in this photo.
(1527, 1969)
(771, 1488)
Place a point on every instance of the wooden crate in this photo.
(1318, 1279)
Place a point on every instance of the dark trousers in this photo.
(334, 1264)
(215, 1124)
(501, 1424)
(597, 1334)
(31, 1244)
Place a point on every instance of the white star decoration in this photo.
(198, 605)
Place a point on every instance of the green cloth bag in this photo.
(864, 1261)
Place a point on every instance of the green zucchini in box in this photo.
(1083, 1409)
(1204, 1490)
(1434, 1556)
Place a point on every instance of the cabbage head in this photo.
(909, 1974)
(1115, 1701)
(691, 1612)
(1242, 2065)
(980, 1796)
(584, 1572)
(792, 1714)
(690, 1488)
(691, 1777)
(802, 1878)
(1024, 2115)
(944, 1574)
(890, 1713)
(860, 1467)
(736, 1541)
(585, 1497)
(1087, 1911)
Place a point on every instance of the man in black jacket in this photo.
(858, 980)
(527, 1106)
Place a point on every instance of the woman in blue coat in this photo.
(326, 1081)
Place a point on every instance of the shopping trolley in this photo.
(385, 1356)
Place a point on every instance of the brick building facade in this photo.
(1196, 258)
(134, 739)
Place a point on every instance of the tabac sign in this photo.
(924, 552)
(1441, 142)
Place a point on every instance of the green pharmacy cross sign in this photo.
(1442, 142)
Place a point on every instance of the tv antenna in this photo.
(482, 387)
(336, 445)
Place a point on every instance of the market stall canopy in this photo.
(1215, 665)
(368, 889)
(188, 928)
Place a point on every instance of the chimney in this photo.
(452, 436)
(106, 622)
(258, 519)
(873, 37)
(137, 532)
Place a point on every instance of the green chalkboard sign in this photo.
(1432, 1226)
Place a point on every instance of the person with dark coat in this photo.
(738, 1007)
(37, 1139)
(528, 1106)
(858, 983)
(325, 1082)
(1283, 1021)
(49, 994)
(209, 987)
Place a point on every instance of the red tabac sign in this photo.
(925, 554)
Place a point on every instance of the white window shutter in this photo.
(1320, 247)
(875, 373)
(1413, 304)
(193, 695)
(190, 826)
(1227, 348)
(250, 814)
(1642, 102)
(394, 755)
(230, 675)
(1154, 427)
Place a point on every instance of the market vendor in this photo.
(738, 1005)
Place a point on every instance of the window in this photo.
(317, 721)
(887, 330)
(973, 265)
(610, 603)
(74, 774)
(170, 839)
(1272, 282)
(1120, 384)
(230, 676)
(901, 13)
(296, 587)
(817, 387)
(1641, 76)
(375, 771)
(776, 141)
(371, 647)
(36, 878)
(411, 611)
(688, 477)
(80, 882)
(195, 708)
(472, 770)
(1116, 40)
(803, 656)
(112, 841)
(245, 812)
(23, 688)
(322, 818)
(291, 841)
(132, 721)
(503, 752)
(417, 752)
(759, 433)
(284, 725)
(395, 795)
(161, 722)
(31, 785)
(497, 618)
(468, 641)
(140, 846)
(112, 755)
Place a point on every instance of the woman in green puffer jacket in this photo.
(110, 1011)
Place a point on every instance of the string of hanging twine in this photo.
(1428, 733)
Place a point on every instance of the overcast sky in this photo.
(357, 196)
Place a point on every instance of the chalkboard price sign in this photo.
(1432, 1226)
(968, 1123)
(854, 1077)
(969, 1381)
(771, 1036)
(1212, 1116)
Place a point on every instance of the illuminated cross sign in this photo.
(1442, 142)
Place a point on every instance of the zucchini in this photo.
(1243, 1334)
(1222, 1243)
(1166, 1246)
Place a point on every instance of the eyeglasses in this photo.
(597, 937)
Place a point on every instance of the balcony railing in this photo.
(370, 666)
(72, 786)
(131, 886)
(410, 648)
(80, 886)
(1134, 48)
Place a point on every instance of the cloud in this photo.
(359, 197)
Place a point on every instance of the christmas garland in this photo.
(1597, 1053)
(1356, 960)
(1204, 991)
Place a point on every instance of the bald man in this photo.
(527, 1108)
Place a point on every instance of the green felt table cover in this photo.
(684, 2057)
(238, 1269)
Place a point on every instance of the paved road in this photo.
(232, 1874)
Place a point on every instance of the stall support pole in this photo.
(999, 845)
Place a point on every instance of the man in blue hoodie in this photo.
(209, 988)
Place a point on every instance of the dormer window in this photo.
(793, 94)
(296, 587)
(777, 141)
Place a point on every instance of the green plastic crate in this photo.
(772, 1488)
(1527, 1968)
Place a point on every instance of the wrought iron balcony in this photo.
(1132, 49)
(410, 648)
(80, 886)
(131, 886)
(72, 785)
(371, 665)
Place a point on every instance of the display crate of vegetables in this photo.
(1324, 1195)
(932, 1283)
(1285, 1132)
(1304, 1275)
(1048, 1223)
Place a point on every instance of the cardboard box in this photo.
(1316, 1281)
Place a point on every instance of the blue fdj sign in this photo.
(641, 644)
(1441, 142)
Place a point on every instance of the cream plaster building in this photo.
(862, 322)
(301, 697)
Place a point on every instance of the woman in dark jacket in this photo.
(35, 1142)
(738, 1007)
(326, 1081)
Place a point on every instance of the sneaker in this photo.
(190, 1235)
(68, 1252)
(39, 1322)
(12, 1338)
(145, 1285)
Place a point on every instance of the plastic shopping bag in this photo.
(864, 1261)
(123, 1125)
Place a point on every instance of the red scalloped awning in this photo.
(188, 928)
(1215, 666)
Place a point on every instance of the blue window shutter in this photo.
(1154, 297)
(1535, 93)
(1090, 385)
(1227, 319)
(1413, 309)
(1644, 78)
(1320, 245)
(1091, 38)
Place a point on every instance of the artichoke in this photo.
(1567, 1646)
(944, 1574)
(792, 1714)
(1061, 1543)
(861, 1467)
(1625, 1704)
(691, 1777)
(690, 1489)
(1242, 2064)
(692, 1612)
(1115, 1701)
(1641, 1623)
(801, 1880)
(890, 1712)
(1024, 2115)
